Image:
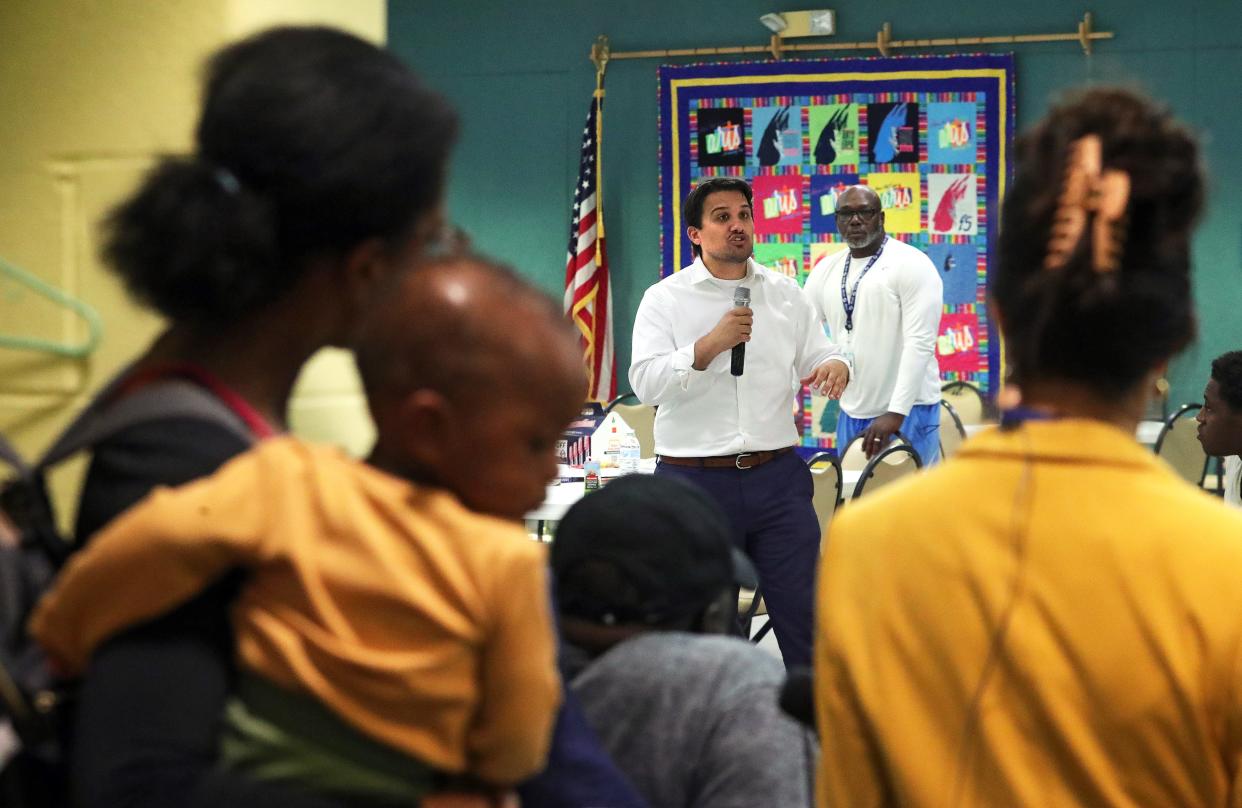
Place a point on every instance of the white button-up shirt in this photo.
(710, 412)
(896, 320)
(1233, 478)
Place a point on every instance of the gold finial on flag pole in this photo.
(601, 52)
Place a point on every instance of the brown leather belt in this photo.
(743, 461)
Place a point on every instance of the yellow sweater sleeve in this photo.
(153, 557)
(520, 687)
(849, 764)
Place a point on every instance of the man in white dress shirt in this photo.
(734, 435)
(882, 301)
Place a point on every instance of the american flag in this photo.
(588, 292)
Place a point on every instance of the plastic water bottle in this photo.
(612, 450)
(630, 450)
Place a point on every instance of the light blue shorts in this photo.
(921, 428)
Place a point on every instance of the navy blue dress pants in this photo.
(774, 523)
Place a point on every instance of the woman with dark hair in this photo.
(1051, 617)
(317, 174)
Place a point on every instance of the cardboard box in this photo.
(588, 435)
(602, 437)
(574, 448)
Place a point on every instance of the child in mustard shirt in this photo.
(394, 629)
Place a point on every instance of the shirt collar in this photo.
(1067, 440)
(699, 271)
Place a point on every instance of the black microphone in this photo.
(741, 299)
(797, 696)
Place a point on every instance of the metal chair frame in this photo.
(829, 458)
(869, 471)
(947, 409)
(948, 389)
(618, 400)
(1182, 412)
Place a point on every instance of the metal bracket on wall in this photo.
(94, 323)
(1085, 35)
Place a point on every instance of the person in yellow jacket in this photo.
(1051, 618)
(394, 629)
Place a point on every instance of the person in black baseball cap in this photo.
(646, 577)
(643, 554)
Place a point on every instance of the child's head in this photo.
(1220, 418)
(471, 374)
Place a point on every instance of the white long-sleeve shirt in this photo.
(710, 412)
(1233, 479)
(896, 320)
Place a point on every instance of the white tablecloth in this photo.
(1148, 431)
(560, 496)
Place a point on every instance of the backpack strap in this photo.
(9, 455)
(159, 400)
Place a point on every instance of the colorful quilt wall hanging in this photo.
(932, 135)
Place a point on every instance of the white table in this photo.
(1148, 431)
(561, 495)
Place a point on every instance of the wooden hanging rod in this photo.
(601, 53)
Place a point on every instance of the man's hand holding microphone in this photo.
(733, 332)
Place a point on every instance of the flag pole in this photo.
(600, 54)
(588, 296)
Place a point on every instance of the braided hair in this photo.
(1067, 315)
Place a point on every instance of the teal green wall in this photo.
(519, 74)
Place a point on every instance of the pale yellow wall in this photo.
(92, 92)
(366, 18)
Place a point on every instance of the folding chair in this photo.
(1178, 445)
(855, 459)
(891, 464)
(967, 401)
(852, 456)
(749, 606)
(826, 475)
(952, 433)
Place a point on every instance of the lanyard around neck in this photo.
(850, 299)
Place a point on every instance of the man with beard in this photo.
(882, 301)
(732, 434)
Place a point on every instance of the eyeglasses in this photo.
(866, 214)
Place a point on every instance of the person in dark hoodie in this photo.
(647, 579)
